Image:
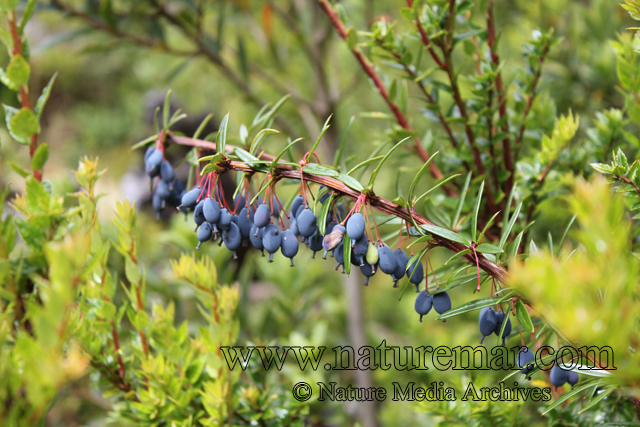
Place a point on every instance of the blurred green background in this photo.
(103, 102)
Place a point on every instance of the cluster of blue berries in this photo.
(441, 303)
(169, 190)
(491, 322)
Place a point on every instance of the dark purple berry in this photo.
(416, 273)
(558, 376)
(225, 219)
(204, 233)
(367, 270)
(262, 217)
(423, 303)
(487, 322)
(190, 198)
(153, 163)
(306, 222)
(315, 243)
(232, 238)
(271, 240)
(293, 226)
(360, 250)
(441, 302)
(158, 204)
(297, 202)
(255, 236)
(572, 378)
(525, 360)
(355, 226)
(386, 260)
(289, 245)
(166, 172)
(401, 266)
(339, 256)
(163, 190)
(245, 221)
(198, 214)
(211, 210)
(149, 152)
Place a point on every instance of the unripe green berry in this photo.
(372, 254)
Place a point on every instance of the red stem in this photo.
(24, 90)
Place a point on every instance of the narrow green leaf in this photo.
(209, 168)
(438, 185)
(603, 394)
(275, 161)
(470, 306)
(507, 211)
(422, 170)
(221, 140)
(457, 255)
(486, 227)
(504, 322)
(365, 163)
(324, 129)
(324, 211)
(204, 122)
(176, 118)
(166, 110)
(257, 141)
(474, 218)
(18, 169)
(384, 159)
(338, 159)
(316, 169)
(144, 142)
(264, 187)
(486, 248)
(523, 317)
(506, 231)
(42, 99)
(444, 233)
(346, 250)
(261, 119)
(463, 195)
(27, 14)
(564, 235)
(572, 393)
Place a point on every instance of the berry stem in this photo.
(375, 223)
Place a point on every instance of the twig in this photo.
(532, 95)
(502, 104)
(24, 90)
(447, 50)
(368, 68)
(426, 41)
